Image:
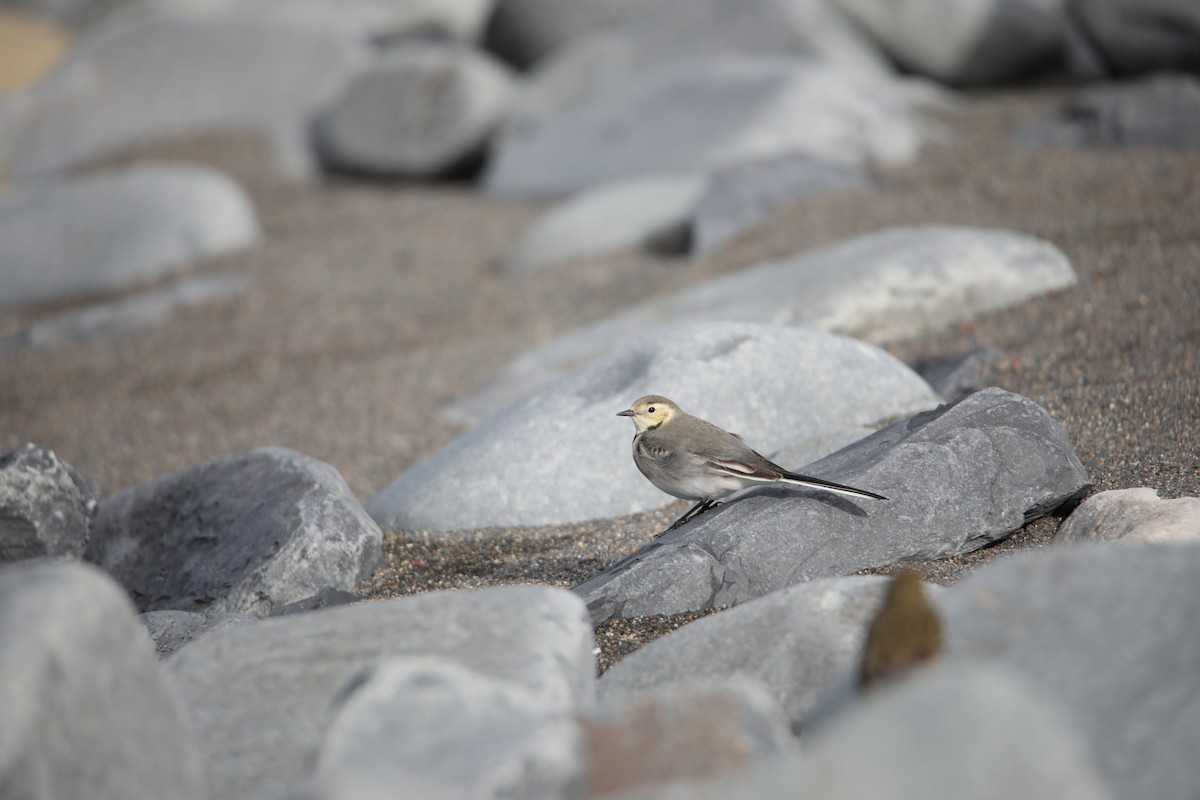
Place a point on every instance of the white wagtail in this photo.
(689, 458)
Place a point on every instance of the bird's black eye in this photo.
(650, 410)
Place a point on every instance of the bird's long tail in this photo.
(829, 486)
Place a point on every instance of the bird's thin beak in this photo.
(626, 413)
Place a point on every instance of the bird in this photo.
(690, 458)
(906, 632)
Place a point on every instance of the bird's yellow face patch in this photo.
(650, 412)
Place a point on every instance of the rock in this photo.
(29, 46)
(75, 13)
(104, 320)
(955, 377)
(381, 22)
(159, 73)
(326, 598)
(882, 286)
(622, 214)
(966, 43)
(692, 731)
(1109, 632)
(248, 533)
(46, 508)
(87, 711)
(958, 478)
(261, 696)
(796, 641)
(1133, 515)
(113, 230)
(700, 115)
(1159, 110)
(562, 456)
(424, 110)
(1135, 36)
(446, 725)
(171, 630)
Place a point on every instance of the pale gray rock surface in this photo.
(964, 43)
(87, 712)
(423, 110)
(1109, 632)
(958, 478)
(248, 533)
(1135, 36)
(700, 115)
(46, 508)
(1133, 515)
(447, 725)
(561, 455)
(261, 696)
(110, 231)
(613, 216)
(796, 641)
(878, 287)
(171, 630)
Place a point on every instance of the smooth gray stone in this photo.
(562, 456)
(110, 231)
(1132, 515)
(965, 43)
(698, 115)
(163, 73)
(1136, 36)
(423, 110)
(85, 710)
(796, 641)
(958, 478)
(260, 696)
(447, 725)
(46, 508)
(171, 630)
(1110, 633)
(248, 533)
(892, 284)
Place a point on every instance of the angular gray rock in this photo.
(447, 725)
(958, 478)
(954, 377)
(87, 712)
(425, 109)
(325, 598)
(1135, 36)
(699, 115)
(878, 287)
(1132, 515)
(46, 508)
(614, 216)
(113, 230)
(261, 696)
(171, 630)
(1109, 632)
(248, 533)
(561, 455)
(796, 641)
(965, 43)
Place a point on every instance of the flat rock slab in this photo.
(249, 533)
(261, 696)
(46, 508)
(959, 478)
(562, 456)
(1133, 515)
(109, 231)
(879, 287)
(87, 712)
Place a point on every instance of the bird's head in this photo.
(650, 412)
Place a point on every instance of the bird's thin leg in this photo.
(694, 511)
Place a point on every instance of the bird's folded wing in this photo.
(740, 469)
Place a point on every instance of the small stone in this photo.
(1132, 515)
(46, 508)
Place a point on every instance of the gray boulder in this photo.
(424, 110)
(965, 43)
(699, 115)
(246, 534)
(1133, 515)
(171, 630)
(112, 230)
(1109, 632)
(1135, 36)
(561, 455)
(958, 478)
(798, 642)
(262, 696)
(46, 508)
(87, 712)
(878, 287)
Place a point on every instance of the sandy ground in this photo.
(372, 305)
